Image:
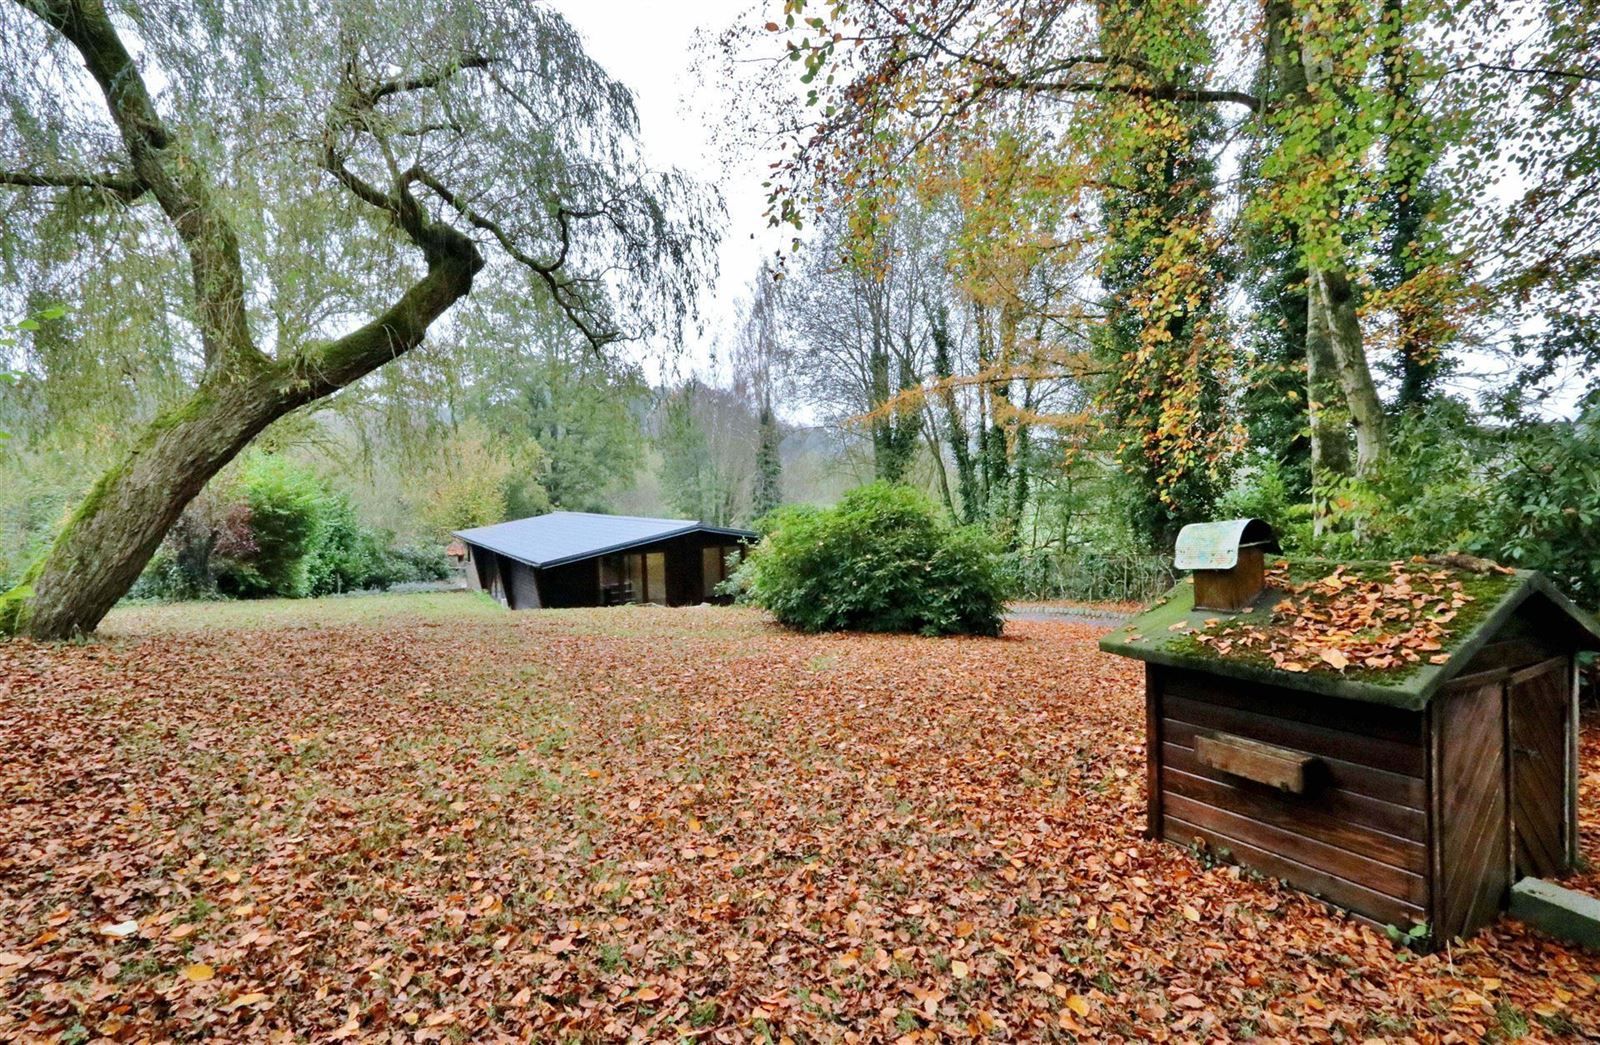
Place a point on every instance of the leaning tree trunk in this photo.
(111, 536)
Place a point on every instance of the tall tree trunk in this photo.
(1340, 389)
(955, 426)
(1326, 415)
(1334, 299)
(1330, 287)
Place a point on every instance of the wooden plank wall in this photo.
(1472, 858)
(1358, 837)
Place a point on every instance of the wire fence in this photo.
(1092, 575)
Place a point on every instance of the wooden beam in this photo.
(1277, 767)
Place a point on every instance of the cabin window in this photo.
(634, 577)
(716, 563)
(655, 577)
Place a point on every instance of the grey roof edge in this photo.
(610, 549)
(1331, 685)
(1533, 583)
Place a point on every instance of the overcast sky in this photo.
(648, 45)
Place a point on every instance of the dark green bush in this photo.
(344, 555)
(882, 559)
(286, 506)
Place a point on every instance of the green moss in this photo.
(1485, 591)
(1166, 634)
(16, 609)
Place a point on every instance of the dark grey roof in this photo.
(563, 537)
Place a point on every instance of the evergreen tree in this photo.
(768, 491)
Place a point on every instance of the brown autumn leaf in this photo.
(1335, 659)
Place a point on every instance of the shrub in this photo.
(286, 505)
(344, 555)
(278, 529)
(1525, 494)
(882, 559)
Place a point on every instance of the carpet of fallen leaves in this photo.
(420, 819)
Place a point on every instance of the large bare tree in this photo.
(334, 175)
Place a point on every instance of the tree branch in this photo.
(121, 184)
(561, 290)
(453, 260)
(161, 165)
(1560, 74)
(427, 80)
(1159, 92)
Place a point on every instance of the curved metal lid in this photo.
(1215, 545)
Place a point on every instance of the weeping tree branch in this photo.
(161, 164)
(405, 211)
(121, 184)
(452, 258)
(562, 289)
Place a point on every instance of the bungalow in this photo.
(586, 559)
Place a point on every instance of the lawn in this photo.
(421, 818)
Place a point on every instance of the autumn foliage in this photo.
(424, 819)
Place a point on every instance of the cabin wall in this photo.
(1472, 856)
(522, 586)
(575, 584)
(1357, 836)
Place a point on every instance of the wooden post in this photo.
(1152, 750)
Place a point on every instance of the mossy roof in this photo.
(1165, 634)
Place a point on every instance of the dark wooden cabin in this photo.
(567, 559)
(1407, 785)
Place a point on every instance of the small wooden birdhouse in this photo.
(1398, 738)
(1228, 560)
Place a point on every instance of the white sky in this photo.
(648, 45)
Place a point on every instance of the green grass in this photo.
(330, 611)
